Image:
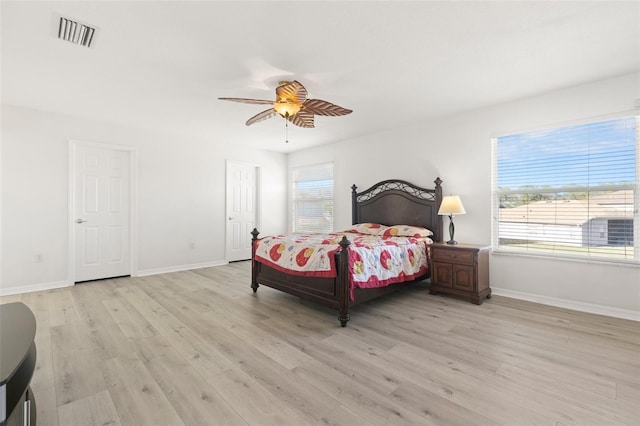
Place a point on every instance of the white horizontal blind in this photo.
(312, 202)
(569, 192)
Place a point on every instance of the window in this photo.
(312, 198)
(569, 192)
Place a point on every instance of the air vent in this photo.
(75, 32)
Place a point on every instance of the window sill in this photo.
(625, 263)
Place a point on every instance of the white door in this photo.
(101, 213)
(241, 209)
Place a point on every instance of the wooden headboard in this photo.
(398, 202)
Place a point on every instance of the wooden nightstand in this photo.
(460, 269)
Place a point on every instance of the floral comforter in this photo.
(374, 261)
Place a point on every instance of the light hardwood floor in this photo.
(198, 347)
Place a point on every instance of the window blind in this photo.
(312, 200)
(570, 191)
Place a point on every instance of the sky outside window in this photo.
(592, 154)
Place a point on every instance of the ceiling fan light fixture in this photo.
(286, 109)
(293, 105)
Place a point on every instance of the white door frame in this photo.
(226, 206)
(133, 210)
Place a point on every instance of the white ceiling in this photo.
(162, 65)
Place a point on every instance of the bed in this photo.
(390, 202)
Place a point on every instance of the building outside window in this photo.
(569, 191)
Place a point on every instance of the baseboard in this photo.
(569, 304)
(179, 268)
(8, 291)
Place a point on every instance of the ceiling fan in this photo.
(292, 104)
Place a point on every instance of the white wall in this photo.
(181, 195)
(181, 191)
(458, 150)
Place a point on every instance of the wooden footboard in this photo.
(331, 292)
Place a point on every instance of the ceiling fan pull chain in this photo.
(286, 131)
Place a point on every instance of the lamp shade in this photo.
(451, 204)
(286, 109)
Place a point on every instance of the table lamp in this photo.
(451, 205)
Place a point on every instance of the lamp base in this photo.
(452, 230)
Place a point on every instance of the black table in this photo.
(17, 363)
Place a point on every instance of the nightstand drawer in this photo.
(454, 256)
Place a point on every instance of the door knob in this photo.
(81, 221)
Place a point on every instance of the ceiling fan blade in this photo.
(320, 107)
(248, 101)
(261, 116)
(292, 91)
(302, 119)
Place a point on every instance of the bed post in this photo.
(343, 281)
(254, 264)
(438, 194)
(354, 204)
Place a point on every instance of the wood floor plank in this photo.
(422, 369)
(545, 361)
(38, 302)
(353, 368)
(630, 393)
(43, 383)
(94, 410)
(199, 347)
(438, 410)
(308, 401)
(375, 407)
(522, 395)
(443, 343)
(107, 338)
(78, 412)
(200, 354)
(619, 411)
(276, 348)
(252, 401)
(77, 368)
(619, 331)
(136, 395)
(190, 395)
(131, 322)
(618, 362)
(61, 307)
(12, 298)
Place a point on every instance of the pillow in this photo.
(406, 231)
(367, 228)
